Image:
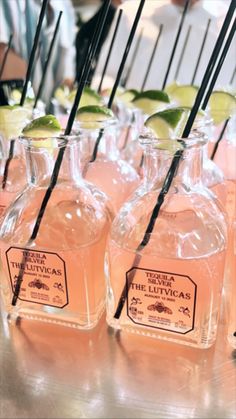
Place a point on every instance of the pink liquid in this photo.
(16, 180)
(231, 198)
(206, 272)
(211, 143)
(70, 243)
(115, 178)
(230, 285)
(220, 192)
(63, 120)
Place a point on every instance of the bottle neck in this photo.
(42, 155)
(157, 162)
(189, 172)
(107, 138)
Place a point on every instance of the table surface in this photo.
(49, 371)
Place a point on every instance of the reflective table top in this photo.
(49, 371)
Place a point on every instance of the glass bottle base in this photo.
(82, 322)
(200, 343)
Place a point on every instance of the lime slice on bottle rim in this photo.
(151, 101)
(42, 127)
(91, 117)
(184, 95)
(61, 95)
(222, 105)
(12, 120)
(128, 96)
(171, 87)
(168, 124)
(89, 97)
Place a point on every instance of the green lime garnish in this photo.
(89, 97)
(12, 119)
(184, 95)
(171, 87)
(151, 101)
(222, 105)
(168, 123)
(128, 96)
(43, 127)
(92, 116)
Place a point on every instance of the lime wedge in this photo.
(92, 116)
(168, 123)
(107, 92)
(184, 95)
(89, 97)
(222, 105)
(151, 101)
(12, 120)
(128, 96)
(16, 95)
(171, 87)
(61, 95)
(43, 127)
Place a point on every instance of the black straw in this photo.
(41, 86)
(182, 52)
(7, 164)
(87, 64)
(6, 55)
(219, 65)
(233, 75)
(110, 50)
(133, 59)
(176, 43)
(37, 59)
(119, 74)
(33, 51)
(201, 51)
(219, 139)
(56, 169)
(126, 52)
(151, 58)
(178, 155)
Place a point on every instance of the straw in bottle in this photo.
(46, 64)
(181, 24)
(182, 53)
(201, 51)
(110, 50)
(152, 58)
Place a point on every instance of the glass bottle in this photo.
(225, 157)
(62, 266)
(167, 284)
(105, 168)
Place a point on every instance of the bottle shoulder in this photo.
(188, 224)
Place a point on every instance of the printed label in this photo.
(43, 276)
(161, 300)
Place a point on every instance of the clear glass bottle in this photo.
(225, 157)
(112, 175)
(62, 266)
(171, 287)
